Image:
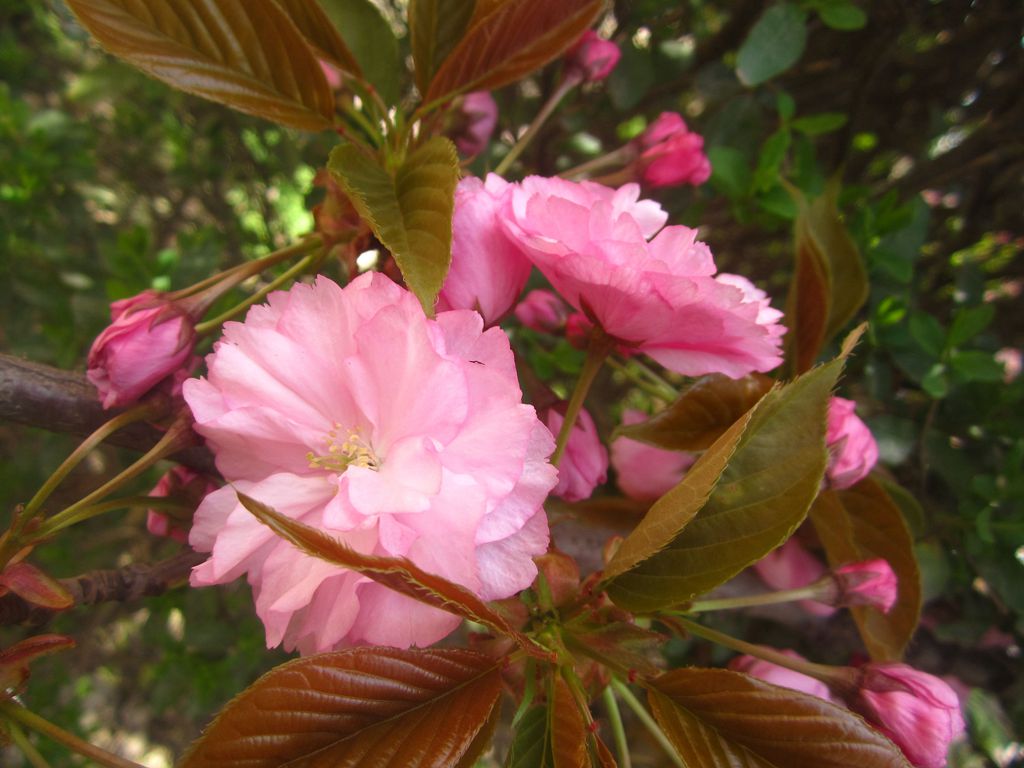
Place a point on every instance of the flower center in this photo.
(354, 451)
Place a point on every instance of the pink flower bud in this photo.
(180, 483)
(592, 59)
(474, 123)
(781, 676)
(671, 154)
(149, 339)
(853, 451)
(542, 311)
(871, 583)
(584, 464)
(919, 712)
(643, 471)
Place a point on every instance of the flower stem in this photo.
(173, 440)
(662, 391)
(53, 525)
(810, 592)
(828, 675)
(649, 722)
(597, 350)
(616, 157)
(30, 719)
(538, 122)
(292, 272)
(611, 704)
(27, 749)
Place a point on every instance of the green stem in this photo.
(538, 122)
(30, 719)
(654, 390)
(611, 705)
(831, 676)
(597, 350)
(298, 268)
(27, 749)
(649, 722)
(138, 413)
(616, 157)
(52, 525)
(810, 592)
(171, 442)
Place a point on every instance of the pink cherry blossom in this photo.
(180, 483)
(871, 582)
(853, 451)
(476, 119)
(791, 566)
(347, 409)
(781, 676)
(592, 59)
(645, 472)
(542, 311)
(488, 270)
(149, 339)
(584, 464)
(918, 711)
(671, 154)
(602, 250)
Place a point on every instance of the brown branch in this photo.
(122, 585)
(64, 401)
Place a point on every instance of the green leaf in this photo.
(409, 210)
(358, 707)
(769, 482)
(531, 744)
(702, 413)
(715, 718)
(730, 171)
(823, 122)
(373, 44)
(396, 573)
(509, 42)
(969, 322)
(321, 33)
(928, 332)
(435, 27)
(862, 523)
(840, 14)
(976, 365)
(774, 44)
(773, 152)
(246, 54)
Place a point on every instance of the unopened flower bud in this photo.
(919, 712)
(853, 451)
(183, 484)
(584, 464)
(150, 338)
(871, 582)
(474, 123)
(592, 59)
(670, 154)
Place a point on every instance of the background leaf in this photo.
(531, 743)
(568, 731)
(774, 44)
(410, 211)
(36, 587)
(246, 54)
(435, 27)
(861, 523)
(396, 573)
(359, 707)
(321, 33)
(510, 42)
(761, 497)
(373, 44)
(715, 717)
(702, 413)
